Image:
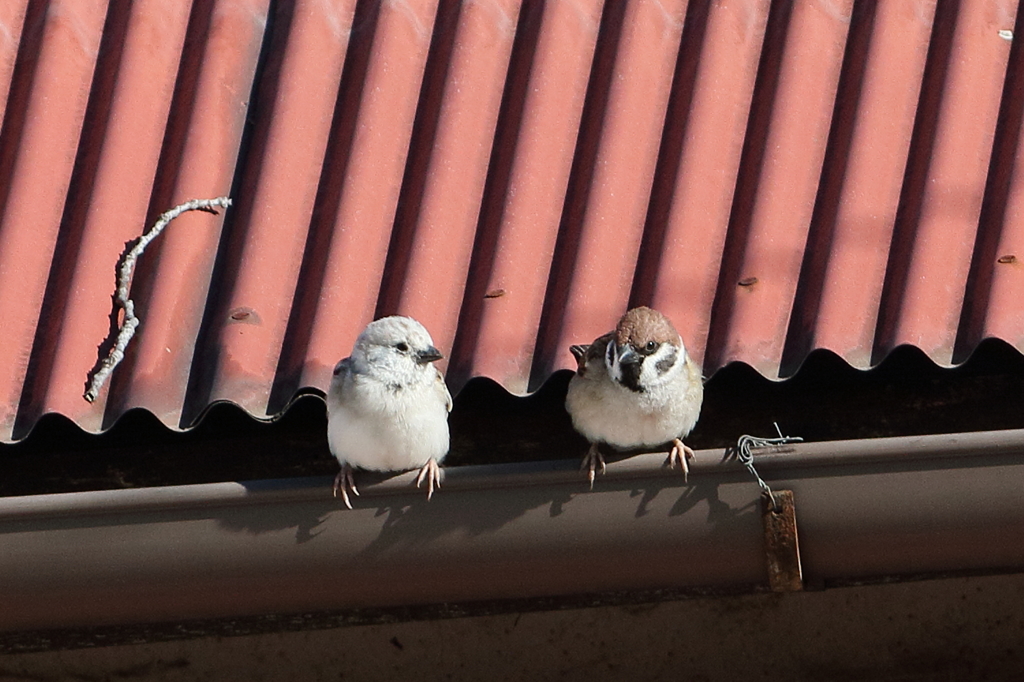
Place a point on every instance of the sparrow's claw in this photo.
(591, 461)
(680, 453)
(431, 473)
(343, 483)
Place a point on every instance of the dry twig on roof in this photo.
(130, 322)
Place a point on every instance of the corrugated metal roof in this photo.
(777, 177)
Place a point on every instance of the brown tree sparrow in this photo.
(635, 387)
(387, 407)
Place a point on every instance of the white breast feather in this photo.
(382, 429)
(607, 412)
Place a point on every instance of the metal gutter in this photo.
(885, 507)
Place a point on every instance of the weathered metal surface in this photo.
(776, 176)
(781, 542)
(869, 509)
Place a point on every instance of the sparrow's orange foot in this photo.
(680, 453)
(431, 473)
(591, 461)
(343, 483)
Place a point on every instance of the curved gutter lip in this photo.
(898, 450)
(506, 532)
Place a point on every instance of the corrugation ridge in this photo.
(748, 180)
(107, 197)
(50, 332)
(23, 74)
(1005, 147)
(294, 103)
(119, 192)
(620, 187)
(172, 147)
(172, 150)
(677, 120)
(807, 299)
(365, 217)
(581, 179)
(208, 359)
(209, 349)
(496, 188)
(1004, 316)
(179, 122)
(37, 151)
(989, 352)
(173, 279)
(702, 198)
(955, 185)
(908, 215)
(534, 203)
(797, 132)
(313, 271)
(874, 174)
(414, 181)
(454, 170)
(12, 23)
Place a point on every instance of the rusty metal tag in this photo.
(781, 546)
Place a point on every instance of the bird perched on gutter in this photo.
(387, 407)
(635, 387)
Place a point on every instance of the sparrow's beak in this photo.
(428, 355)
(630, 364)
(628, 356)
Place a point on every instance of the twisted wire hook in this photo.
(744, 453)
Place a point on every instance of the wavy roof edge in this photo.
(227, 415)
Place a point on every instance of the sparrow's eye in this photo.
(651, 346)
(402, 347)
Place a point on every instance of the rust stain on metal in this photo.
(781, 544)
(495, 293)
(244, 315)
(1009, 258)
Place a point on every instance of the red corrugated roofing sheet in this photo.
(776, 176)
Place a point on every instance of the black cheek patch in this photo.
(666, 363)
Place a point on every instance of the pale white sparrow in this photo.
(387, 407)
(635, 387)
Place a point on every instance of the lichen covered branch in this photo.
(130, 322)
